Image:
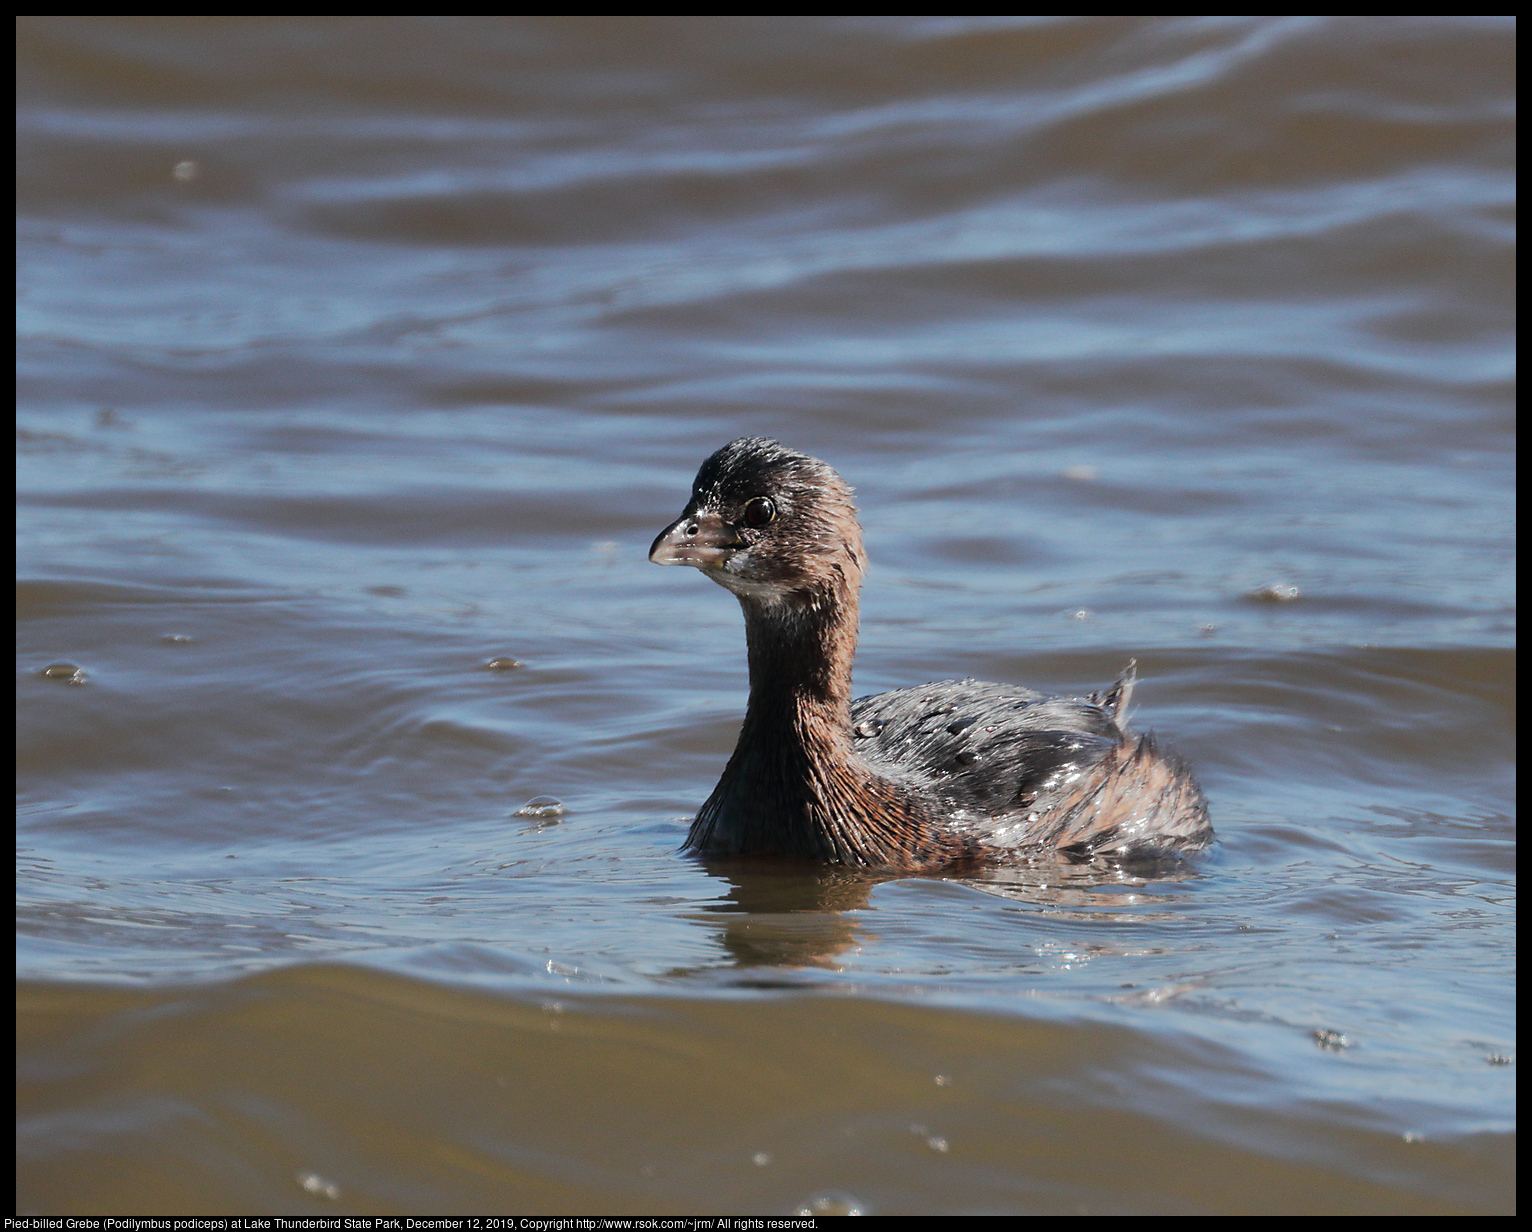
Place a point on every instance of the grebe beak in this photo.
(701, 539)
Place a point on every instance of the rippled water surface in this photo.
(356, 354)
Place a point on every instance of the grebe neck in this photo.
(800, 654)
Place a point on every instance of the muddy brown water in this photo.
(358, 353)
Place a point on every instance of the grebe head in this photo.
(769, 523)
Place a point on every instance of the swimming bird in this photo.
(940, 776)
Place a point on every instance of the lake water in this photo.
(356, 354)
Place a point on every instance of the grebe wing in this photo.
(987, 747)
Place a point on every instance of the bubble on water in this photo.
(313, 1183)
(186, 171)
(760, 1159)
(177, 639)
(1080, 614)
(1083, 474)
(542, 807)
(1331, 1041)
(1274, 592)
(69, 673)
(503, 664)
(937, 1144)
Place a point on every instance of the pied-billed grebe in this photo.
(946, 774)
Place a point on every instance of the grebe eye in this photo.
(760, 511)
